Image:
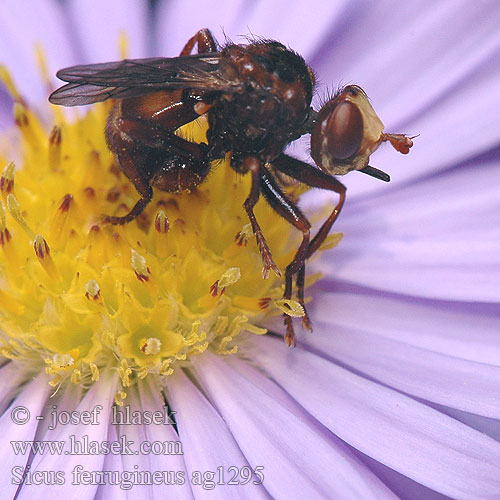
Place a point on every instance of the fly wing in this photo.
(92, 83)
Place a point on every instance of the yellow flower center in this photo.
(77, 296)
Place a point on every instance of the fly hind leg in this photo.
(150, 154)
(313, 177)
(204, 40)
(290, 212)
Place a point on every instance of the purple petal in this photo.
(12, 380)
(55, 406)
(274, 432)
(112, 463)
(413, 439)
(366, 334)
(403, 486)
(6, 104)
(410, 56)
(438, 327)
(114, 19)
(207, 442)
(29, 404)
(488, 426)
(178, 21)
(102, 394)
(23, 28)
(295, 17)
(156, 437)
(438, 238)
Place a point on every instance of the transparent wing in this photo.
(92, 83)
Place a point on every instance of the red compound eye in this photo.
(344, 130)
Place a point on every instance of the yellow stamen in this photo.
(119, 397)
(42, 64)
(229, 277)
(7, 179)
(95, 372)
(331, 241)
(9, 250)
(63, 360)
(55, 139)
(124, 372)
(240, 242)
(76, 376)
(3, 222)
(123, 45)
(15, 210)
(290, 307)
(22, 119)
(162, 226)
(195, 336)
(42, 251)
(6, 79)
(92, 290)
(57, 234)
(142, 272)
(150, 346)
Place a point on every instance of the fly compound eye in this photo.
(344, 130)
(339, 134)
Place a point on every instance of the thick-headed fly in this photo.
(257, 99)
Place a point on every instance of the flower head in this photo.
(81, 296)
(396, 394)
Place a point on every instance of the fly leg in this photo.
(291, 213)
(311, 176)
(205, 41)
(253, 165)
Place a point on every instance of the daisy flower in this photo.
(135, 359)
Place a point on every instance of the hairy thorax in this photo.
(275, 95)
